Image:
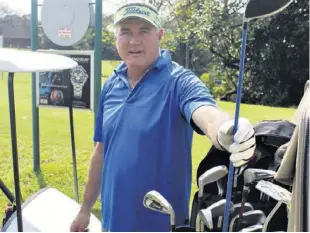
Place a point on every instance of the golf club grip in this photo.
(6, 191)
(238, 100)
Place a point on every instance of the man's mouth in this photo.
(135, 52)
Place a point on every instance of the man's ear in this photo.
(161, 34)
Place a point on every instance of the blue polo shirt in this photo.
(147, 135)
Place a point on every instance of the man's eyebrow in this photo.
(124, 29)
(145, 28)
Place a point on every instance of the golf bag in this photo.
(270, 136)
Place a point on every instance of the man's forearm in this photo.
(93, 184)
(209, 119)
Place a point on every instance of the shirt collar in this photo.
(162, 61)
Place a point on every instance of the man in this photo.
(147, 112)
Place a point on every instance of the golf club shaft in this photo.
(220, 187)
(243, 200)
(270, 215)
(238, 100)
(14, 151)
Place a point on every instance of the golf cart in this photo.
(48, 209)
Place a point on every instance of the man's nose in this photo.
(135, 39)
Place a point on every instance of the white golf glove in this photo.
(241, 145)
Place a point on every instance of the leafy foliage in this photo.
(278, 52)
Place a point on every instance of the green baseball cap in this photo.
(142, 10)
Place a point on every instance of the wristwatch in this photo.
(78, 77)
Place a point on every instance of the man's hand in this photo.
(80, 223)
(241, 145)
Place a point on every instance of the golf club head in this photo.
(264, 8)
(253, 228)
(253, 174)
(210, 176)
(155, 201)
(274, 191)
(249, 218)
(247, 207)
(217, 210)
(206, 217)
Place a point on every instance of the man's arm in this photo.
(93, 184)
(209, 120)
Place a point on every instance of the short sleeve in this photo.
(99, 117)
(193, 93)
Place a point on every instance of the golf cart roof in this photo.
(13, 60)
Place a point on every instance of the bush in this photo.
(218, 91)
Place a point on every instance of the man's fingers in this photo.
(244, 131)
(245, 155)
(236, 147)
(227, 128)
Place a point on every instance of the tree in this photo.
(212, 31)
(278, 57)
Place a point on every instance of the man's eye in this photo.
(124, 33)
(144, 31)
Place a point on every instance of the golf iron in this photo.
(213, 211)
(254, 9)
(251, 176)
(155, 201)
(276, 192)
(212, 175)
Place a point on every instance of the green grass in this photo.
(55, 147)
(108, 67)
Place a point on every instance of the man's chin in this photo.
(135, 63)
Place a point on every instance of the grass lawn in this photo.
(55, 144)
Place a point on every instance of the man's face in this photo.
(138, 42)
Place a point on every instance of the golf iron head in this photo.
(249, 218)
(253, 228)
(213, 211)
(155, 201)
(274, 191)
(210, 176)
(253, 174)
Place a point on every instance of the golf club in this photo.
(254, 9)
(204, 217)
(251, 176)
(276, 192)
(213, 211)
(246, 207)
(212, 175)
(155, 201)
(250, 218)
(253, 228)
(13, 61)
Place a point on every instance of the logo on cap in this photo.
(136, 10)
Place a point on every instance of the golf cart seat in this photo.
(49, 210)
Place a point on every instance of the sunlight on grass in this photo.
(55, 147)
